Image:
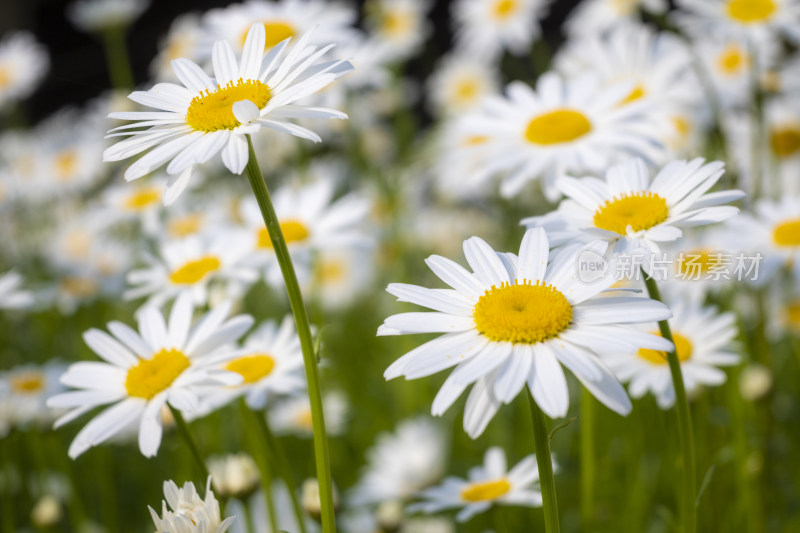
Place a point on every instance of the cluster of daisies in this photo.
(668, 151)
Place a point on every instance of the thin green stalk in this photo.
(321, 455)
(183, 429)
(283, 467)
(248, 518)
(685, 435)
(588, 466)
(541, 441)
(119, 66)
(757, 127)
(7, 514)
(264, 461)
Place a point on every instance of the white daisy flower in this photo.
(658, 65)
(205, 116)
(332, 22)
(165, 362)
(270, 363)
(191, 265)
(311, 220)
(703, 263)
(24, 391)
(234, 475)
(340, 276)
(773, 231)
(23, 64)
(139, 203)
(702, 338)
(592, 17)
(99, 15)
(402, 463)
(516, 319)
(459, 83)
(459, 160)
(399, 27)
(563, 126)
(292, 415)
(489, 484)
(12, 294)
(485, 28)
(635, 214)
(187, 512)
(755, 19)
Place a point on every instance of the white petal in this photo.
(235, 154)
(595, 376)
(547, 382)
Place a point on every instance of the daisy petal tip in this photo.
(245, 111)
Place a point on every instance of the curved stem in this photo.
(587, 459)
(263, 461)
(541, 441)
(119, 66)
(321, 455)
(183, 429)
(685, 434)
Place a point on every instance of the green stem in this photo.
(248, 518)
(321, 455)
(283, 467)
(541, 441)
(7, 508)
(183, 429)
(685, 435)
(587, 459)
(119, 66)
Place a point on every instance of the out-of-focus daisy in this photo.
(99, 15)
(592, 17)
(485, 28)
(140, 202)
(635, 214)
(728, 60)
(284, 512)
(234, 475)
(182, 40)
(310, 220)
(772, 231)
(270, 362)
(459, 160)
(190, 265)
(489, 484)
(658, 65)
(292, 415)
(517, 319)
(340, 276)
(184, 511)
(563, 126)
(756, 19)
(12, 294)
(402, 463)
(332, 22)
(204, 116)
(702, 338)
(459, 83)
(165, 362)
(23, 64)
(399, 27)
(24, 391)
(703, 263)
(363, 520)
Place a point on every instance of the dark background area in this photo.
(78, 67)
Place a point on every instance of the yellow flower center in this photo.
(682, 126)
(27, 382)
(151, 376)
(556, 127)
(185, 225)
(787, 233)
(485, 490)
(475, 140)
(252, 368)
(79, 287)
(683, 348)
(637, 93)
(293, 231)
(792, 312)
(195, 271)
(751, 11)
(641, 211)
(466, 91)
(330, 271)
(213, 111)
(522, 313)
(624, 7)
(732, 60)
(698, 262)
(142, 198)
(66, 164)
(396, 23)
(77, 244)
(785, 142)
(276, 31)
(304, 420)
(5, 77)
(503, 9)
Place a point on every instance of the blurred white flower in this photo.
(12, 294)
(23, 64)
(292, 415)
(99, 15)
(755, 19)
(234, 475)
(459, 84)
(399, 27)
(592, 17)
